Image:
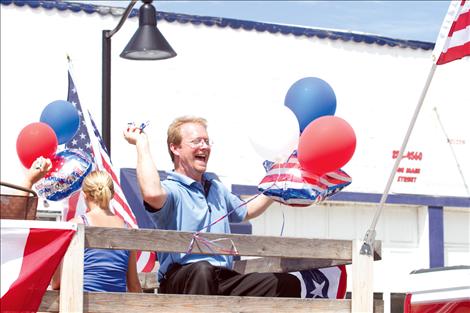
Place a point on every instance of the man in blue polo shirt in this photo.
(192, 200)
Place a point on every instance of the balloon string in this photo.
(210, 244)
(197, 238)
(283, 222)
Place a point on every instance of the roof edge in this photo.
(297, 31)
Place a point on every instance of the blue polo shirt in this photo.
(189, 208)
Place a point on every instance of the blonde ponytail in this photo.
(99, 187)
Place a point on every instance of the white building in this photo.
(228, 69)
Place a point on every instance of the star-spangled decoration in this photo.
(85, 140)
(316, 284)
(97, 134)
(81, 140)
(317, 292)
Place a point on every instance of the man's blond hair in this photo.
(174, 130)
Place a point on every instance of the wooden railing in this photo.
(278, 254)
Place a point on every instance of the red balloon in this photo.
(326, 144)
(35, 140)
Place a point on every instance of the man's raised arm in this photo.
(147, 173)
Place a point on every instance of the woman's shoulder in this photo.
(101, 220)
(113, 221)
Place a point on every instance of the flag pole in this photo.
(367, 246)
(452, 44)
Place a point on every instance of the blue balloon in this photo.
(310, 98)
(63, 118)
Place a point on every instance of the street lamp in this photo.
(146, 44)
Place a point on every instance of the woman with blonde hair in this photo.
(104, 270)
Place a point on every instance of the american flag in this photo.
(88, 139)
(287, 183)
(453, 42)
(324, 283)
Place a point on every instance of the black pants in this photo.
(203, 278)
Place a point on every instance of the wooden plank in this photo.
(133, 302)
(266, 265)
(260, 265)
(71, 283)
(148, 281)
(248, 245)
(362, 280)
(379, 306)
(283, 265)
(50, 302)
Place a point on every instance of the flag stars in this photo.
(74, 142)
(82, 136)
(317, 292)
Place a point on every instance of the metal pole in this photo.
(106, 91)
(106, 78)
(369, 238)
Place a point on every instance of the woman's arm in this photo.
(38, 170)
(133, 282)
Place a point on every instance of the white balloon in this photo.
(274, 133)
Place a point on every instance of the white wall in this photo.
(222, 74)
(456, 236)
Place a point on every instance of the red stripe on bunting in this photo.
(343, 280)
(43, 252)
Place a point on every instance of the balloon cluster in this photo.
(58, 124)
(326, 142)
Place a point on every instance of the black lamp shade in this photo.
(148, 42)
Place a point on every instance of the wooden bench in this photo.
(279, 254)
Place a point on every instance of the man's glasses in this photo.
(199, 143)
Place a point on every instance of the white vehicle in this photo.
(439, 290)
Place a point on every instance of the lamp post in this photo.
(147, 43)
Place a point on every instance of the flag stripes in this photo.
(453, 42)
(287, 183)
(30, 254)
(88, 140)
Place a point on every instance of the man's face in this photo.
(193, 153)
